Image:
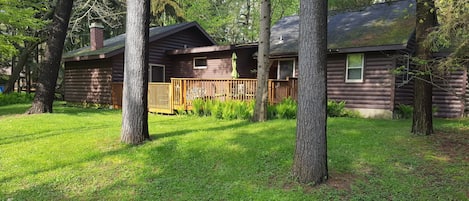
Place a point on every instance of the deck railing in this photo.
(179, 94)
(185, 90)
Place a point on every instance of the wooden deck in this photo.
(180, 92)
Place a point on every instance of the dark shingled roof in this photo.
(115, 45)
(383, 26)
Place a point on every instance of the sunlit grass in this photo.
(75, 154)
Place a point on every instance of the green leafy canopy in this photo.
(17, 19)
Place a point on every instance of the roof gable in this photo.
(115, 45)
(381, 26)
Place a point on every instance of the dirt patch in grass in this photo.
(342, 181)
(339, 181)
(453, 145)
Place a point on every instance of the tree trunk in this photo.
(260, 110)
(310, 160)
(22, 59)
(135, 89)
(422, 121)
(49, 69)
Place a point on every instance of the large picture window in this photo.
(354, 69)
(200, 62)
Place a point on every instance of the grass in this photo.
(75, 154)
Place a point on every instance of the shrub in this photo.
(271, 111)
(335, 108)
(407, 111)
(286, 109)
(198, 107)
(351, 113)
(217, 109)
(404, 111)
(235, 109)
(15, 98)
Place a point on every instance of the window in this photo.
(200, 62)
(354, 71)
(156, 73)
(285, 68)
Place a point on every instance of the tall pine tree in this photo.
(422, 122)
(135, 90)
(310, 160)
(49, 70)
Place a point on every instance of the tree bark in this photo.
(310, 160)
(422, 121)
(135, 90)
(49, 70)
(260, 109)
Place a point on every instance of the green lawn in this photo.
(75, 154)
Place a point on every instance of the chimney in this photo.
(96, 35)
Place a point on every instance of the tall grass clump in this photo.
(407, 111)
(15, 98)
(198, 107)
(232, 109)
(284, 110)
(404, 111)
(335, 108)
(236, 109)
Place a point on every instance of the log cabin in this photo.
(365, 48)
(94, 74)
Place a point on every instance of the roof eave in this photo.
(196, 50)
(207, 49)
(151, 39)
(84, 58)
(368, 48)
(346, 50)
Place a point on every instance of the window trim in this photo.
(278, 66)
(347, 67)
(199, 67)
(150, 72)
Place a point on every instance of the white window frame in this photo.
(150, 71)
(278, 67)
(347, 67)
(199, 67)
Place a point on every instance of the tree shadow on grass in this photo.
(211, 169)
(59, 108)
(44, 190)
(41, 135)
(89, 158)
(13, 109)
(209, 128)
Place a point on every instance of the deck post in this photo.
(271, 92)
(184, 93)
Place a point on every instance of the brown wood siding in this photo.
(218, 65)
(448, 94)
(375, 92)
(404, 92)
(404, 85)
(118, 68)
(88, 82)
(157, 51)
